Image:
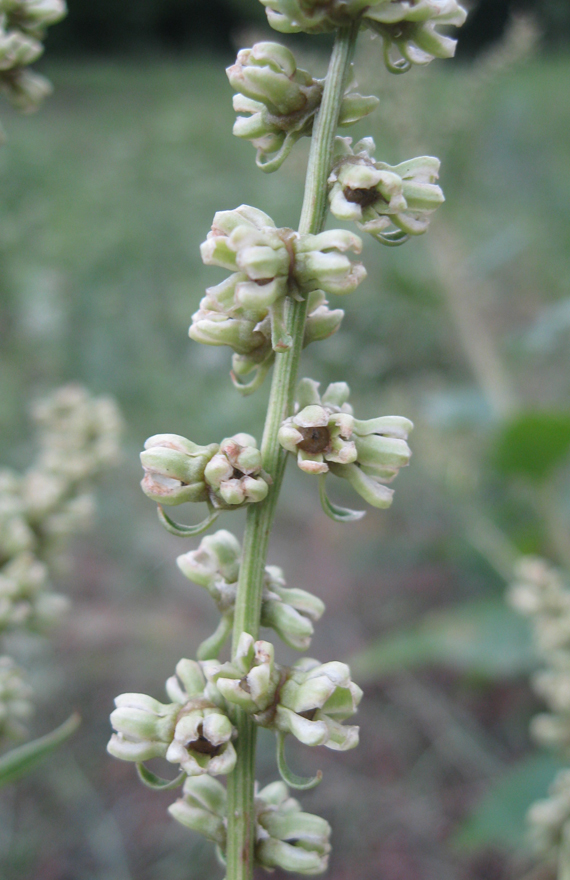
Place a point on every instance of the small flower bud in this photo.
(174, 469)
(211, 325)
(321, 263)
(250, 680)
(376, 195)
(248, 242)
(321, 322)
(25, 89)
(17, 49)
(290, 612)
(33, 16)
(202, 808)
(268, 73)
(144, 727)
(215, 566)
(313, 702)
(234, 474)
(355, 107)
(288, 838)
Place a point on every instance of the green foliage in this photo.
(499, 817)
(482, 638)
(22, 760)
(533, 445)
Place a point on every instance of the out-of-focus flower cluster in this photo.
(78, 436)
(541, 593)
(22, 27)
(549, 819)
(40, 509)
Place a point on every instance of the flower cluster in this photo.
(251, 679)
(247, 311)
(226, 475)
(268, 265)
(309, 699)
(549, 818)
(288, 838)
(314, 700)
(235, 474)
(285, 837)
(409, 26)
(281, 101)
(215, 566)
(325, 436)
(22, 27)
(15, 704)
(39, 510)
(540, 593)
(26, 599)
(377, 196)
(409, 29)
(77, 436)
(191, 731)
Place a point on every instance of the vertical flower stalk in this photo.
(260, 516)
(272, 305)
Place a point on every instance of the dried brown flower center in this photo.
(314, 440)
(309, 714)
(203, 746)
(363, 197)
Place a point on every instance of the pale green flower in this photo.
(377, 196)
(191, 731)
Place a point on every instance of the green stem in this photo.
(241, 819)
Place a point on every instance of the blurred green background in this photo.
(106, 195)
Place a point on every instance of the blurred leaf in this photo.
(18, 762)
(533, 444)
(483, 637)
(500, 816)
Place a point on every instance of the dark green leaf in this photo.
(484, 637)
(18, 762)
(533, 444)
(500, 816)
